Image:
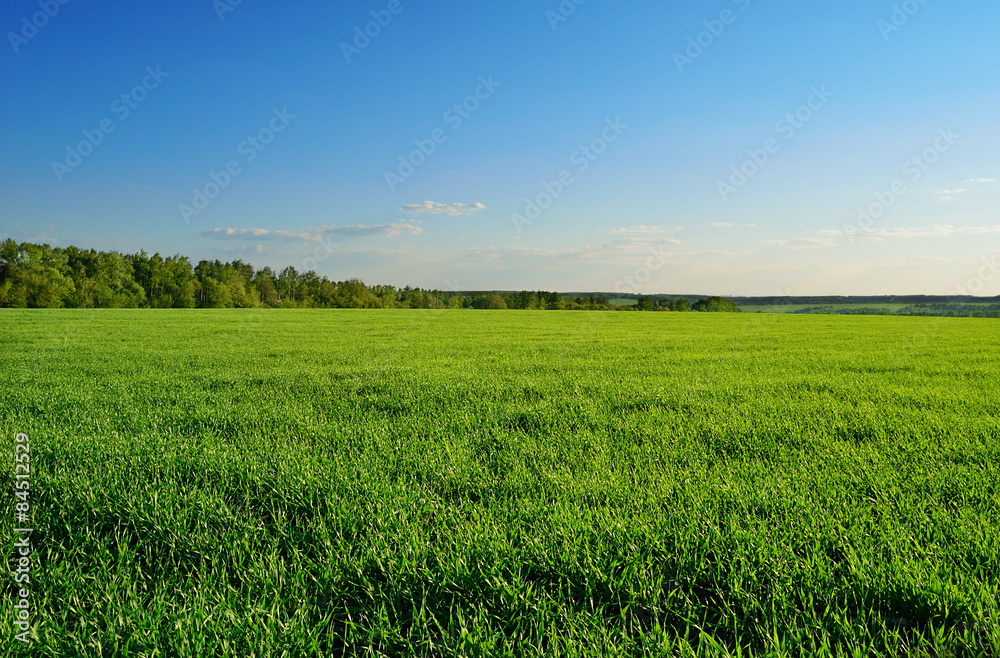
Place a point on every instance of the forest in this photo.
(42, 276)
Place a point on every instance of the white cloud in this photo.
(315, 233)
(618, 252)
(947, 195)
(879, 234)
(35, 234)
(641, 230)
(498, 253)
(648, 241)
(382, 251)
(702, 254)
(937, 231)
(434, 208)
(803, 244)
(244, 249)
(730, 225)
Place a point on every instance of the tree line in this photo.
(42, 276)
(941, 310)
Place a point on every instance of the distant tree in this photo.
(495, 302)
(215, 294)
(35, 276)
(287, 284)
(175, 285)
(264, 283)
(522, 300)
(385, 296)
(680, 305)
(715, 305)
(415, 298)
(354, 294)
(83, 270)
(115, 285)
(239, 276)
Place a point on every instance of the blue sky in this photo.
(890, 108)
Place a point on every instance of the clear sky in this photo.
(282, 134)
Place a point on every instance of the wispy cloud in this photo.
(497, 253)
(402, 251)
(945, 195)
(730, 225)
(33, 234)
(703, 253)
(879, 234)
(244, 249)
(937, 231)
(315, 233)
(616, 252)
(803, 244)
(434, 208)
(641, 230)
(634, 240)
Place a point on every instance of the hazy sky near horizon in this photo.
(733, 147)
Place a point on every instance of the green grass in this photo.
(314, 483)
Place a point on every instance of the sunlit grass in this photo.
(308, 483)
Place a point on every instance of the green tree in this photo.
(353, 293)
(175, 285)
(716, 305)
(34, 276)
(115, 285)
(495, 302)
(215, 294)
(264, 284)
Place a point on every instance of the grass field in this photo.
(313, 483)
